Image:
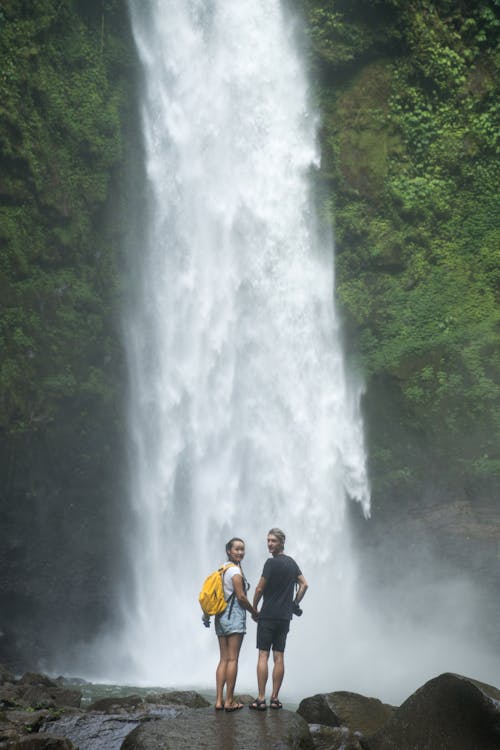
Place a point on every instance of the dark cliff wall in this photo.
(410, 181)
(64, 87)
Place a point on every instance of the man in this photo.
(277, 585)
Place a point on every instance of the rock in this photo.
(204, 727)
(25, 721)
(448, 712)
(333, 738)
(342, 708)
(10, 696)
(41, 696)
(188, 698)
(62, 680)
(41, 742)
(184, 698)
(116, 703)
(5, 676)
(95, 731)
(244, 698)
(35, 678)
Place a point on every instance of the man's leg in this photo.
(262, 673)
(278, 672)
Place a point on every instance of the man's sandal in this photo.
(258, 705)
(275, 704)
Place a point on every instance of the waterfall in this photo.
(242, 415)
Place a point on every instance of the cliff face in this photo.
(408, 179)
(409, 94)
(63, 83)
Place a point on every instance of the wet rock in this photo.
(342, 708)
(116, 703)
(10, 696)
(204, 727)
(41, 742)
(75, 681)
(41, 696)
(448, 712)
(180, 698)
(35, 678)
(188, 698)
(95, 731)
(21, 721)
(244, 698)
(6, 677)
(333, 738)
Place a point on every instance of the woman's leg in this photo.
(220, 674)
(234, 642)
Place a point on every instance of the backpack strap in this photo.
(231, 596)
(231, 599)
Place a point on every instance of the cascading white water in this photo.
(241, 414)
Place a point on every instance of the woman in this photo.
(230, 626)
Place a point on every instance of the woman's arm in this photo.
(239, 592)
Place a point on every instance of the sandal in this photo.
(258, 705)
(275, 704)
(233, 707)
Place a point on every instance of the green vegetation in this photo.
(64, 88)
(60, 138)
(410, 141)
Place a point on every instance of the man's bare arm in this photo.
(303, 586)
(259, 590)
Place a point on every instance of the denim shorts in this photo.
(232, 620)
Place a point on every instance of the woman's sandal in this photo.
(275, 704)
(258, 705)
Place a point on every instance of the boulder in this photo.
(96, 730)
(447, 712)
(10, 695)
(184, 698)
(75, 681)
(35, 678)
(6, 676)
(187, 698)
(41, 696)
(41, 742)
(342, 708)
(210, 729)
(333, 738)
(115, 704)
(24, 721)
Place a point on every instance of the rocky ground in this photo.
(448, 712)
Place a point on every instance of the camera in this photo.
(296, 609)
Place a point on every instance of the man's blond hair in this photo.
(278, 534)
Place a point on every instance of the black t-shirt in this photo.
(281, 573)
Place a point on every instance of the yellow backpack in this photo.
(211, 598)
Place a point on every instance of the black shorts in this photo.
(272, 632)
